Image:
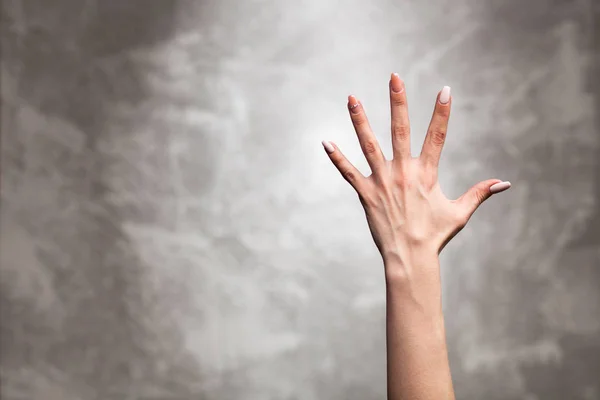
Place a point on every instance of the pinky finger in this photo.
(348, 171)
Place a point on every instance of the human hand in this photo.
(403, 202)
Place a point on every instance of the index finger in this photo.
(436, 134)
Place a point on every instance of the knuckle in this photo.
(438, 136)
(403, 182)
(402, 178)
(479, 197)
(370, 147)
(443, 112)
(349, 175)
(359, 120)
(399, 181)
(400, 132)
(398, 100)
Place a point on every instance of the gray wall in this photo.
(172, 229)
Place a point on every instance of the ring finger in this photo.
(366, 137)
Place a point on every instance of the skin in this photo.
(411, 221)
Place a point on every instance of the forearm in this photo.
(417, 356)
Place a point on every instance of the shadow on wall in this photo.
(54, 50)
(590, 236)
(579, 269)
(56, 54)
(546, 290)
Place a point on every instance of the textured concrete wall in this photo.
(172, 229)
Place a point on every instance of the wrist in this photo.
(411, 262)
(416, 274)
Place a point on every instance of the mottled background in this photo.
(172, 229)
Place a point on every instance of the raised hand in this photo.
(404, 204)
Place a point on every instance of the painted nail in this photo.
(396, 83)
(353, 104)
(328, 147)
(499, 187)
(445, 95)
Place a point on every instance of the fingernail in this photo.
(445, 95)
(353, 104)
(396, 83)
(328, 147)
(499, 187)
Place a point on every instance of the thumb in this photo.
(480, 192)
